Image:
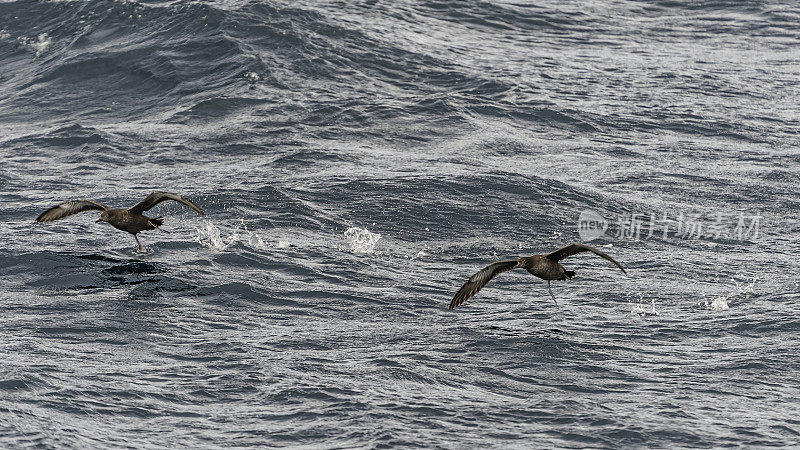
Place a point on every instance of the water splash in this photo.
(361, 240)
(209, 235)
(638, 308)
(722, 302)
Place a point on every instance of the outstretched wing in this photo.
(574, 248)
(69, 208)
(157, 197)
(479, 280)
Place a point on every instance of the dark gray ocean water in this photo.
(357, 162)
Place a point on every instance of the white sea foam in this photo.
(361, 240)
(719, 304)
(38, 45)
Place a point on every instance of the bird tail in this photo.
(157, 221)
(569, 273)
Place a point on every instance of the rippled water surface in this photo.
(357, 162)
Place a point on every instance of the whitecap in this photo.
(361, 240)
(719, 304)
(38, 45)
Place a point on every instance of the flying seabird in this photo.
(546, 267)
(131, 220)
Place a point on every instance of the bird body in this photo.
(546, 267)
(131, 219)
(123, 219)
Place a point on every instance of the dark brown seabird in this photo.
(131, 220)
(546, 267)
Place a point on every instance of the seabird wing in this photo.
(69, 208)
(479, 280)
(157, 197)
(574, 248)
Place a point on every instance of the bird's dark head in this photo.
(104, 217)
